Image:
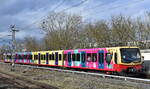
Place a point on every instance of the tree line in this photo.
(69, 31)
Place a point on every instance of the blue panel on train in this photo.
(101, 59)
(101, 66)
(69, 59)
(83, 59)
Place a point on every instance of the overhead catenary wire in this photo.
(54, 9)
(75, 5)
(112, 8)
(34, 22)
(80, 3)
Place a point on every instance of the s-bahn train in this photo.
(113, 60)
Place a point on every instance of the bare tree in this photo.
(62, 30)
(4, 49)
(31, 44)
(143, 31)
(123, 30)
(98, 34)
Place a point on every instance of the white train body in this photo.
(146, 55)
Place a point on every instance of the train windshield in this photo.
(129, 55)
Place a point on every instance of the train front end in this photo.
(130, 60)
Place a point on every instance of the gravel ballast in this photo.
(63, 80)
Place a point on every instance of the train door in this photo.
(101, 59)
(94, 60)
(69, 59)
(30, 58)
(47, 58)
(39, 57)
(83, 61)
(27, 58)
(35, 58)
(60, 60)
(56, 58)
(16, 58)
(109, 57)
(24, 58)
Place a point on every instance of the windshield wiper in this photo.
(127, 61)
(136, 60)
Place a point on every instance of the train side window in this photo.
(73, 57)
(47, 56)
(25, 56)
(41, 57)
(30, 56)
(44, 57)
(16, 56)
(94, 57)
(8, 57)
(108, 58)
(83, 57)
(78, 57)
(89, 57)
(115, 58)
(50, 57)
(59, 56)
(20, 57)
(56, 55)
(65, 57)
(35, 57)
(69, 57)
(101, 58)
(53, 57)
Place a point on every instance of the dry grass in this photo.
(72, 81)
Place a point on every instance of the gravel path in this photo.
(63, 80)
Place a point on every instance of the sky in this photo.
(26, 14)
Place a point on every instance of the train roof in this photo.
(108, 48)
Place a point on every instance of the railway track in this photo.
(130, 79)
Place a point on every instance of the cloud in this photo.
(125, 7)
(24, 13)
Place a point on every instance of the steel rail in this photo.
(89, 73)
